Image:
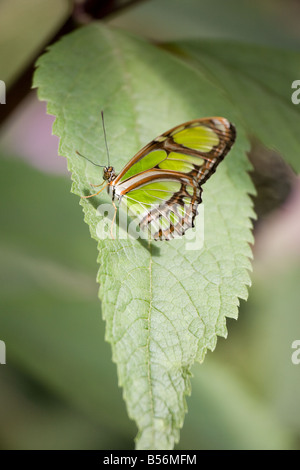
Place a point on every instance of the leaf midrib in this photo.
(148, 343)
(129, 89)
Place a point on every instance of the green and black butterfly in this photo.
(162, 184)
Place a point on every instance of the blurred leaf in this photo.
(164, 305)
(268, 22)
(258, 81)
(33, 418)
(49, 312)
(227, 413)
(25, 28)
(274, 328)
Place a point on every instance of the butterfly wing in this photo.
(162, 184)
(164, 201)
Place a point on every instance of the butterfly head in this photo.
(109, 173)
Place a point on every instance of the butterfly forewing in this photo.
(161, 184)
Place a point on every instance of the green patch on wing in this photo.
(174, 219)
(154, 193)
(176, 165)
(186, 158)
(148, 161)
(198, 138)
(151, 196)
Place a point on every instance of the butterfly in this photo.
(162, 184)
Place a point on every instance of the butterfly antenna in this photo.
(96, 164)
(102, 116)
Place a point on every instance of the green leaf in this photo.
(258, 80)
(164, 304)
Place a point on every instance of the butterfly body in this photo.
(162, 184)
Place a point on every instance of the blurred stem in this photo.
(82, 13)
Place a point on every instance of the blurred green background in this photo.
(59, 387)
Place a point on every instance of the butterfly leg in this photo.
(95, 194)
(113, 220)
(97, 185)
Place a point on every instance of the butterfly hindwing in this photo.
(165, 202)
(161, 184)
